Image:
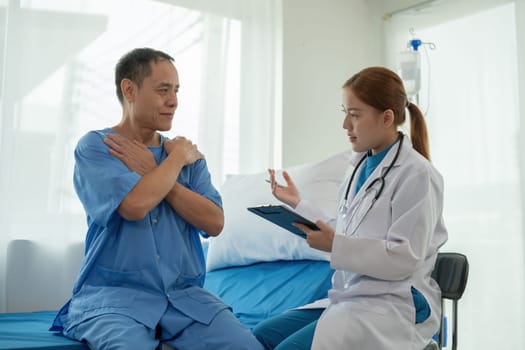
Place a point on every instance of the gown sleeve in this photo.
(101, 180)
(201, 182)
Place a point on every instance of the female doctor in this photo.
(385, 238)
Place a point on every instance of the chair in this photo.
(451, 273)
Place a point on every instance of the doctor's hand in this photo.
(321, 239)
(134, 154)
(287, 194)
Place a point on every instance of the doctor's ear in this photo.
(388, 118)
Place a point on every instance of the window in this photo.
(58, 83)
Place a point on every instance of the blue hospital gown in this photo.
(135, 268)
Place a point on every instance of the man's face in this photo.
(154, 103)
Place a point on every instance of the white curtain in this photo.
(471, 95)
(56, 75)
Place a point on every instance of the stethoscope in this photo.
(377, 181)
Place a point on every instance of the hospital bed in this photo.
(254, 292)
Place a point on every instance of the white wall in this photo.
(520, 35)
(324, 43)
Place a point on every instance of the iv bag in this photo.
(410, 71)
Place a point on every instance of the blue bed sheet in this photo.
(262, 290)
(30, 331)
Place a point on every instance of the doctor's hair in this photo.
(136, 65)
(383, 89)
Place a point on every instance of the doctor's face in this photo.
(363, 123)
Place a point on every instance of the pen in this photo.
(271, 182)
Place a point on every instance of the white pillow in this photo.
(247, 238)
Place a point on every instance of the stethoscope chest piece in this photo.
(343, 209)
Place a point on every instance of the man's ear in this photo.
(128, 89)
(388, 118)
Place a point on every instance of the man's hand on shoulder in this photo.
(135, 155)
(183, 149)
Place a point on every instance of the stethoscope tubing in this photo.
(380, 180)
(382, 177)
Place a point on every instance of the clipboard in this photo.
(283, 217)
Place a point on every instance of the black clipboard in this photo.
(283, 217)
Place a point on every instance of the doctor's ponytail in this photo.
(383, 89)
(418, 130)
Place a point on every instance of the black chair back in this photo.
(451, 273)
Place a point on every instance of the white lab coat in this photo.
(393, 247)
